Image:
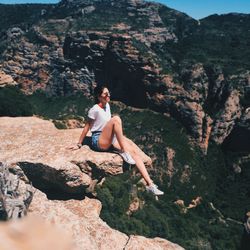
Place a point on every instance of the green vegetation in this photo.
(217, 40)
(57, 28)
(221, 40)
(156, 54)
(23, 15)
(200, 228)
(59, 108)
(102, 18)
(14, 103)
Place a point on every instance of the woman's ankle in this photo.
(150, 183)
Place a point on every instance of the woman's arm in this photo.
(86, 129)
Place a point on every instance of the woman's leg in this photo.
(114, 126)
(138, 161)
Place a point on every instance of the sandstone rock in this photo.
(120, 26)
(207, 129)
(40, 150)
(170, 154)
(6, 80)
(139, 242)
(191, 114)
(217, 86)
(81, 220)
(136, 203)
(113, 56)
(193, 204)
(226, 119)
(185, 176)
(195, 82)
(133, 206)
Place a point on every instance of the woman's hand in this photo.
(81, 139)
(74, 147)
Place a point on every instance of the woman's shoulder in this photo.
(94, 107)
(93, 112)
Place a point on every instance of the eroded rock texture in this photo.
(15, 195)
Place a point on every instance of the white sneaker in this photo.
(154, 189)
(127, 157)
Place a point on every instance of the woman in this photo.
(107, 132)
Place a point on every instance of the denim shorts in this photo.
(94, 141)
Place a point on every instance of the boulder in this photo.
(40, 149)
(80, 219)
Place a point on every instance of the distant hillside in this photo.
(221, 40)
(23, 15)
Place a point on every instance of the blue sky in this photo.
(202, 8)
(28, 1)
(194, 8)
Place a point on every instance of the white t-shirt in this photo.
(100, 116)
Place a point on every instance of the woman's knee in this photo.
(132, 151)
(116, 119)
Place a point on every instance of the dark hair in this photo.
(98, 91)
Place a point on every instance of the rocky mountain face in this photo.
(52, 167)
(147, 54)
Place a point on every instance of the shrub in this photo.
(14, 103)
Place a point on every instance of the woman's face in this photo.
(105, 96)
